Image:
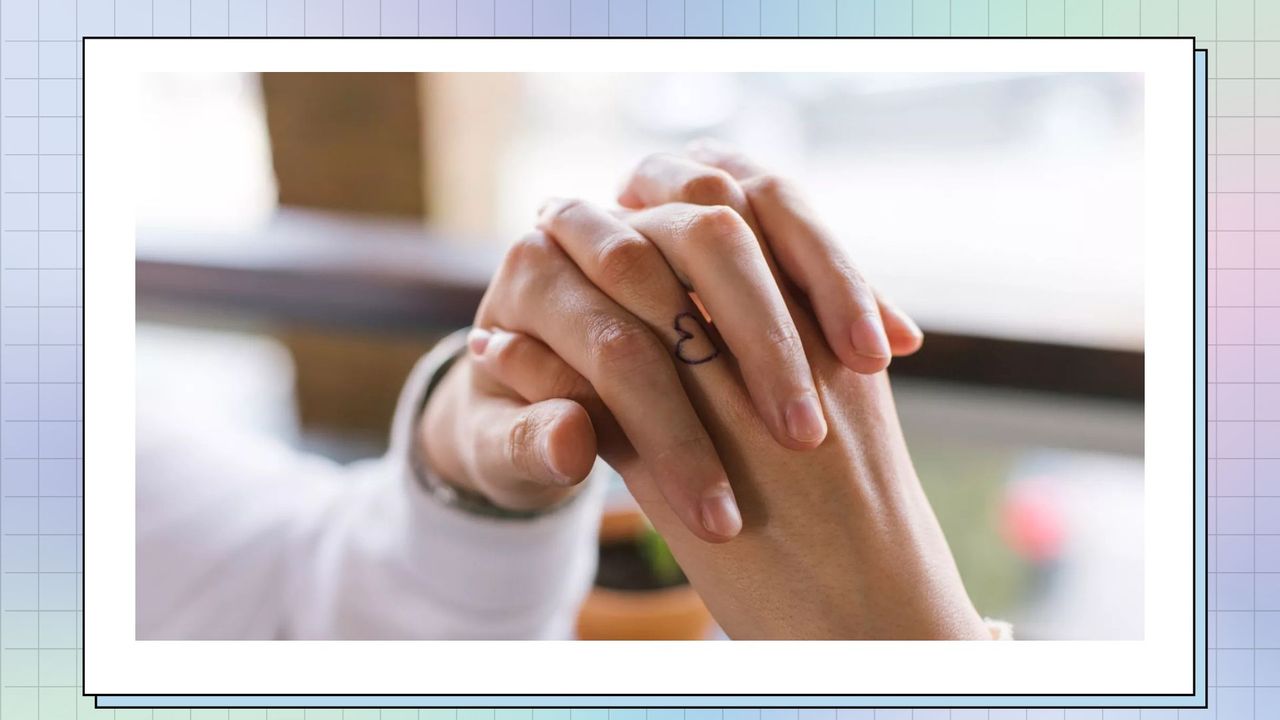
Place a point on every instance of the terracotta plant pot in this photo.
(672, 613)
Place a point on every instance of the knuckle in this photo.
(769, 185)
(530, 247)
(508, 353)
(519, 442)
(534, 241)
(839, 264)
(717, 229)
(686, 448)
(566, 211)
(623, 259)
(710, 188)
(618, 346)
(528, 257)
(782, 333)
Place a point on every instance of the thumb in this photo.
(522, 449)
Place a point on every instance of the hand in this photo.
(580, 297)
(860, 325)
(630, 374)
(481, 437)
(759, 331)
(838, 542)
(616, 368)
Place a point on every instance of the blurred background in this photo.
(303, 238)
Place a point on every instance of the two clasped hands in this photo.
(714, 345)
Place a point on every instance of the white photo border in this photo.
(116, 663)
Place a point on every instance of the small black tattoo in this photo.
(689, 327)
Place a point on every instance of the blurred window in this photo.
(203, 149)
(994, 204)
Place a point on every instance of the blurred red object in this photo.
(1031, 522)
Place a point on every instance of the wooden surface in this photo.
(347, 141)
(305, 267)
(1025, 365)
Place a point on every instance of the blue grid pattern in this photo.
(41, 316)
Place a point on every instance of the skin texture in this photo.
(524, 456)
(837, 543)
(601, 294)
(521, 455)
(835, 538)
(713, 249)
(855, 319)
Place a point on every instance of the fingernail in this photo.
(804, 420)
(548, 457)
(720, 514)
(478, 340)
(868, 337)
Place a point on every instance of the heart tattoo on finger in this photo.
(695, 345)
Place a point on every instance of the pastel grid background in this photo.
(41, 319)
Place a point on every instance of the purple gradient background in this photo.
(40, 321)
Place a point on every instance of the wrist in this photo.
(436, 444)
(909, 546)
(854, 530)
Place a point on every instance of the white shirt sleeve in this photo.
(240, 537)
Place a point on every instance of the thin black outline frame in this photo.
(1194, 434)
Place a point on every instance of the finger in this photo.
(715, 250)
(664, 178)
(521, 449)
(905, 337)
(846, 308)
(527, 367)
(841, 297)
(539, 291)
